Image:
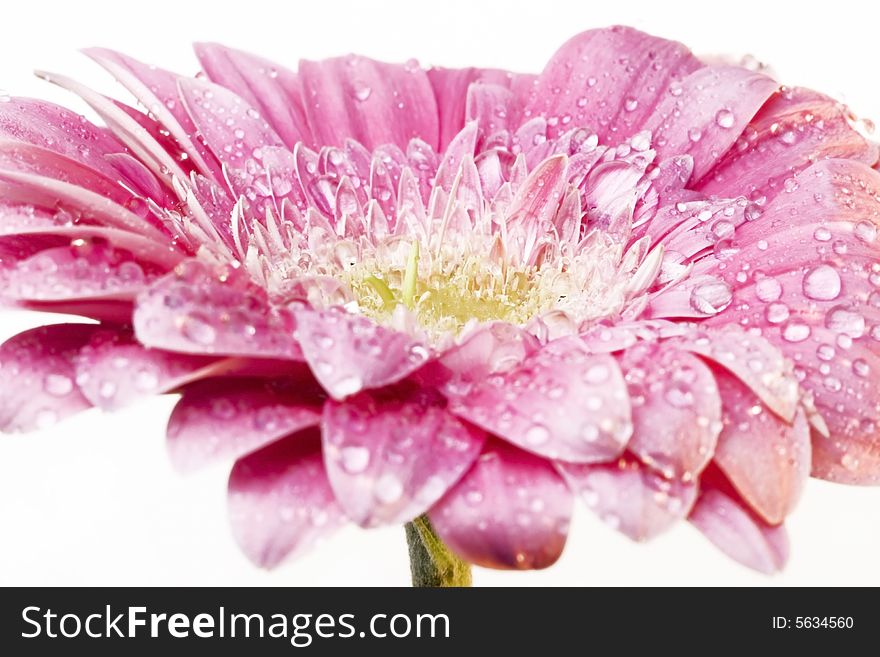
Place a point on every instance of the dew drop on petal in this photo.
(725, 118)
(822, 283)
(355, 459)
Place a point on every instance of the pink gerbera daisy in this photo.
(460, 298)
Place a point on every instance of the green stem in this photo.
(431, 562)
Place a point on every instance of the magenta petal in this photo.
(562, 402)
(765, 458)
(349, 353)
(200, 310)
(512, 510)
(271, 89)
(612, 80)
(82, 271)
(115, 370)
(210, 423)
(280, 502)
(390, 459)
(156, 89)
(676, 409)
(795, 128)
(630, 497)
(232, 129)
(451, 90)
(740, 534)
(705, 113)
(372, 102)
(38, 378)
(59, 130)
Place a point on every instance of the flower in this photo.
(639, 278)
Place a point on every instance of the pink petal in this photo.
(272, 90)
(57, 129)
(609, 81)
(561, 402)
(156, 89)
(84, 270)
(630, 497)
(451, 89)
(815, 297)
(765, 458)
(200, 310)
(740, 534)
(114, 370)
(214, 422)
(390, 458)
(511, 510)
(38, 378)
(676, 409)
(490, 349)
(705, 113)
(349, 353)
(795, 128)
(58, 227)
(280, 502)
(233, 130)
(755, 361)
(372, 102)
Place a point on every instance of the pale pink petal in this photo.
(57, 129)
(451, 89)
(765, 458)
(280, 502)
(203, 310)
(703, 115)
(272, 90)
(139, 179)
(608, 80)
(217, 421)
(156, 89)
(38, 378)
(490, 349)
(754, 360)
(349, 353)
(630, 497)
(795, 128)
(59, 227)
(390, 458)
(740, 534)
(561, 402)
(512, 510)
(372, 102)
(676, 409)
(84, 270)
(814, 295)
(114, 370)
(233, 130)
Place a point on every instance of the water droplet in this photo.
(768, 289)
(388, 489)
(537, 435)
(796, 331)
(842, 319)
(354, 459)
(822, 283)
(362, 91)
(57, 385)
(725, 118)
(198, 330)
(777, 313)
(861, 368)
(711, 298)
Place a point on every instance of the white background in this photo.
(94, 501)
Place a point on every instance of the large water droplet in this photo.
(842, 319)
(822, 283)
(725, 118)
(711, 298)
(355, 459)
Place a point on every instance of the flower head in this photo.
(385, 291)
